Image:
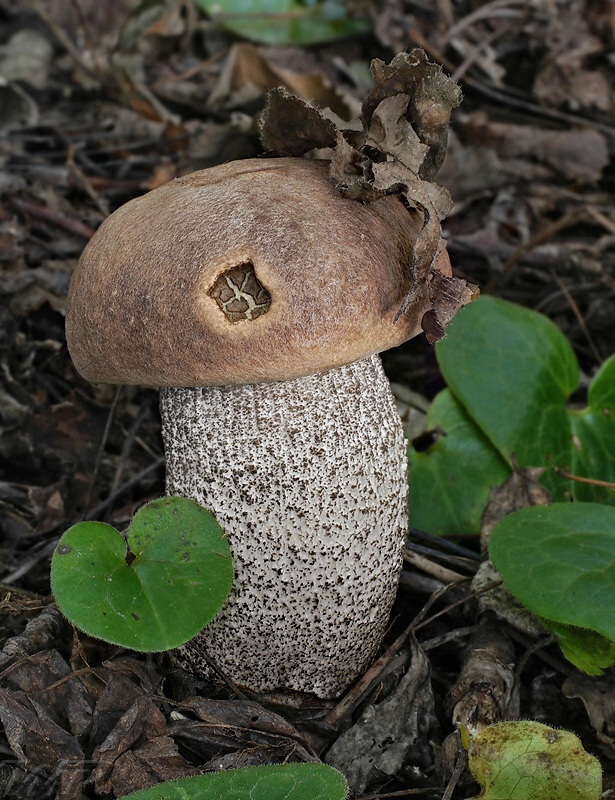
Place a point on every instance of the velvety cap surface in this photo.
(257, 270)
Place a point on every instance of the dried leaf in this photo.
(17, 108)
(145, 19)
(46, 679)
(520, 490)
(392, 134)
(119, 694)
(255, 757)
(142, 718)
(392, 156)
(39, 634)
(432, 98)
(346, 167)
(26, 57)
(578, 154)
(36, 740)
(566, 76)
(291, 127)
(447, 295)
(249, 73)
(239, 713)
(212, 738)
(386, 734)
(598, 696)
(155, 761)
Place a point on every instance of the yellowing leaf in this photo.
(525, 760)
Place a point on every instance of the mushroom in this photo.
(258, 297)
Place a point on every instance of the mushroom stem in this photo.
(308, 479)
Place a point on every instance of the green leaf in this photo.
(180, 576)
(513, 372)
(526, 760)
(587, 650)
(559, 561)
(275, 782)
(592, 454)
(284, 21)
(450, 483)
(602, 389)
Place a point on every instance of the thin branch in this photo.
(579, 479)
(53, 217)
(101, 448)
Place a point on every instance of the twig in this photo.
(463, 600)
(77, 176)
(27, 564)
(101, 448)
(486, 11)
(190, 73)
(579, 479)
(444, 543)
(433, 555)
(529, 652)
(579, 316)
(601, 219)
(129, 441)
(97, 510)
(460, 764)
(560, 666)
(231, 684)
(436, 570)
(83, 23)
(572, 218)
(54, 217)
(476, 51)
(402, 793)
(451, 636)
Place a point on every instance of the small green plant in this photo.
(152, 591)
(271, 782)
(523, 759)
(284, 22)
(510, 375)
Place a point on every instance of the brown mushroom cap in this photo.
(257, 270)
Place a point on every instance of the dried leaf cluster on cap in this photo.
(399, 151)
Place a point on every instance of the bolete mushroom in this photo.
(257, 297)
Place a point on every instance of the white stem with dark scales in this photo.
(308, 479)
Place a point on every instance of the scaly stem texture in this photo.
(308, 479)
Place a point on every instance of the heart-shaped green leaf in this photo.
(274, 782)
(158, 594)
(525, 760)
(559, 561)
